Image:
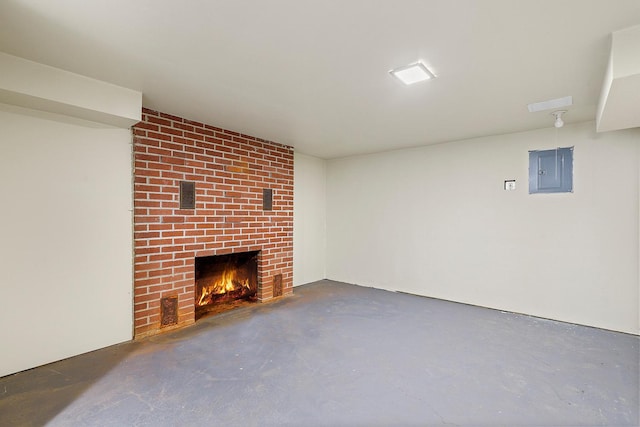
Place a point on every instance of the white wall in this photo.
(309, 219)
(436, 221)
(65, 237)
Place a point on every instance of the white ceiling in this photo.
(314, 74)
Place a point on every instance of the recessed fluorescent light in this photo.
(413, 73)
(552, 104)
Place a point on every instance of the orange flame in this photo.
(227, 283)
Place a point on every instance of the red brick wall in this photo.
(230, 170)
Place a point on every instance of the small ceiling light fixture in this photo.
(413, 73)
(558, 115)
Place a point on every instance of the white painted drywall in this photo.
(309, 219)
(618, 106)
(65, 237)
(41, 87)
(436, 221)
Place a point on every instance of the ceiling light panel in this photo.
(413, 73)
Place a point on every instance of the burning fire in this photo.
(228, 282)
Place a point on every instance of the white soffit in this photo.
(619, 106)
(552, 104)
(29, 84)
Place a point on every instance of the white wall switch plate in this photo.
(510, 185)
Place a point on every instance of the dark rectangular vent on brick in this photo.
(187, 195)
(169, 311)
(267, 199)
(277, 285)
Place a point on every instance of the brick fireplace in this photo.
(232, 174)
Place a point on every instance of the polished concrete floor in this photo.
(342, 355)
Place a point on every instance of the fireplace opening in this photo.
(224, 282)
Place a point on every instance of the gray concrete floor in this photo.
(336, 354)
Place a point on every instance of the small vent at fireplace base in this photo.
(169, 311)
(277, 285)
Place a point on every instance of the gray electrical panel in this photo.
(551, 171)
